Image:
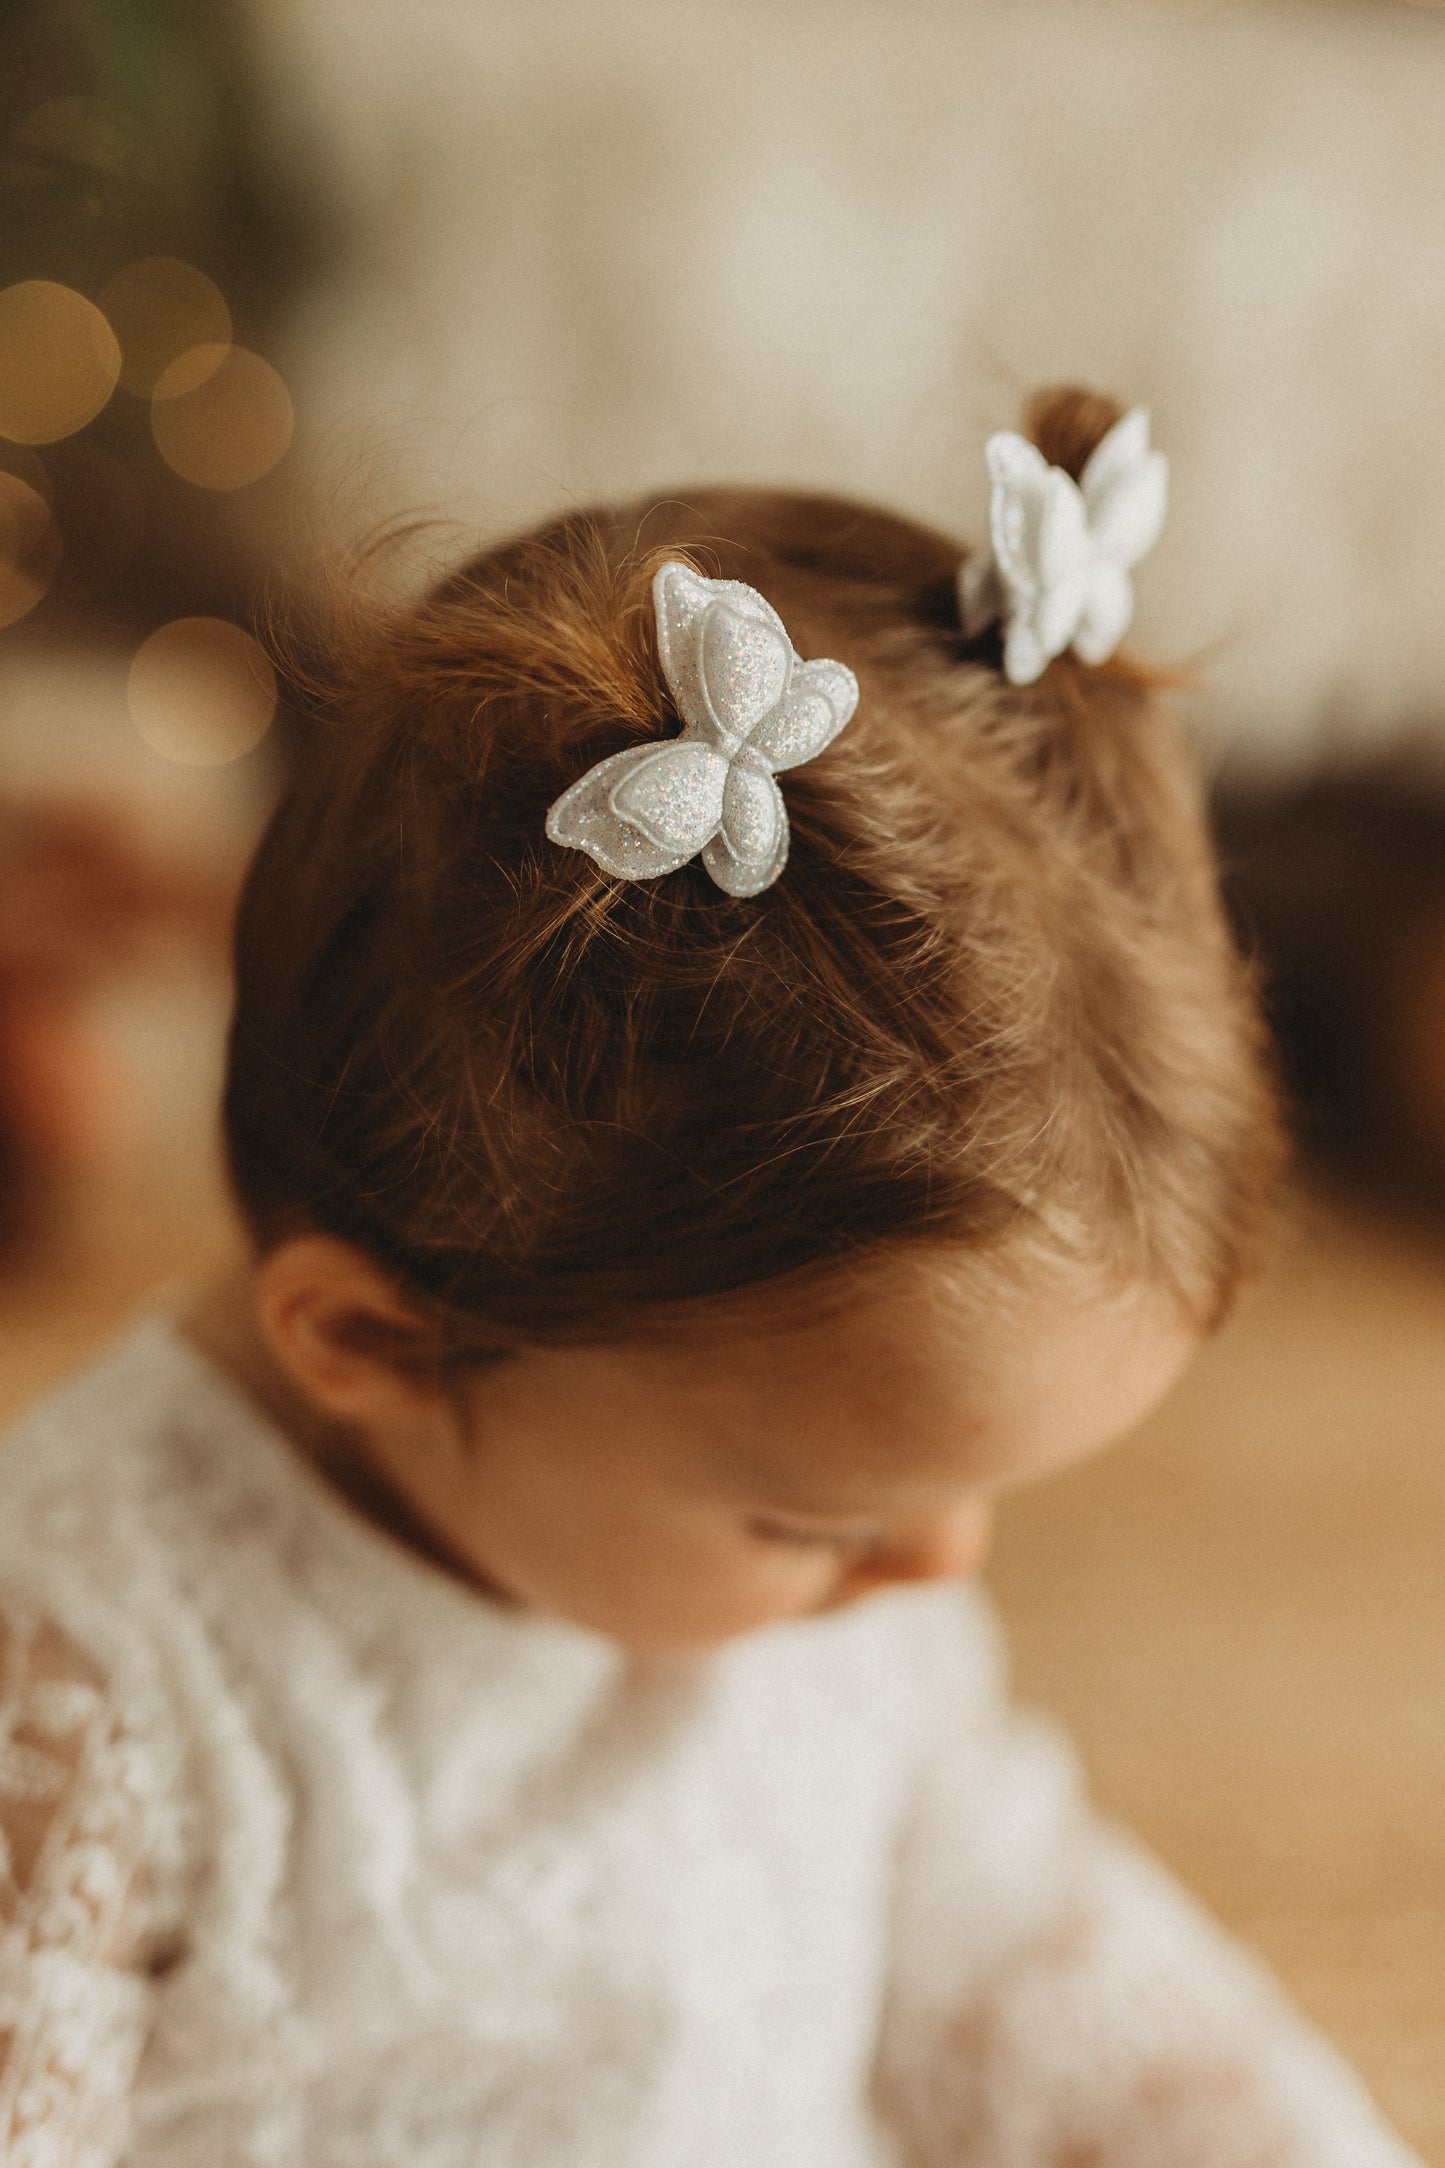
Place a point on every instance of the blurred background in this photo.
(274, 270)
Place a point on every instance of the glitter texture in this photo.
(749, 707)
(753, 818)
(675, 796)
(746, 665)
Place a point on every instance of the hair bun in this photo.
(1068, 424)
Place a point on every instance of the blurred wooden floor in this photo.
(1240, 1614)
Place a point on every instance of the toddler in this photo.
(496, 1683)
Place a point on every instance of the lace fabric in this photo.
(72, 1912)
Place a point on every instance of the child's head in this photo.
(914, 1173)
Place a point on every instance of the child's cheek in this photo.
(740, 1594)
(786, 1584)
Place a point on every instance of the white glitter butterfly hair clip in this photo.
(1058, 574)
(750, 708)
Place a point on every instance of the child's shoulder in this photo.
(86, 1469)
(129, 1377)
(115, 1486)
(155, 1514)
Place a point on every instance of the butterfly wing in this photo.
(674, 796)
(1065, 556)
(745, 665)
(751, 846)
(682, 600)
(1126, 490)
(635, 823)
(1118, 452)
(1107, 612)
(1017, 502)
(1043, 552)
(818, 703)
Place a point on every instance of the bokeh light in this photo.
(221, 418)
(59, 361)
(201, 692)
(158, 307)
(29, 547)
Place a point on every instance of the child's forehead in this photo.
(913, 1399)
(921, 1389)
(939, 1319)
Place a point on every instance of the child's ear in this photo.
(344, 1334)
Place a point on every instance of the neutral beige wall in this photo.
(615, 244)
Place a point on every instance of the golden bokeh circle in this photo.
(191, 368)
(201, 691)
(221, 418)
(29, 547)
(159, 307)
(59, 361)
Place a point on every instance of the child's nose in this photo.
(945, 1547)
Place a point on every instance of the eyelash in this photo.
(806, 1539)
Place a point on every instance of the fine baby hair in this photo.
(991, 1001)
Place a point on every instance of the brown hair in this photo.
(991, 998)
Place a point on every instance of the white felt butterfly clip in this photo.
(1063, 550)
(749, 708)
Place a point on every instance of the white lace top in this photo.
(314, 1859)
